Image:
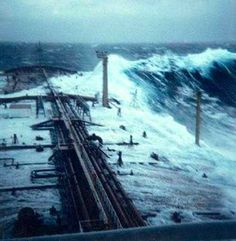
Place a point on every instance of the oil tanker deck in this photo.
(88, 186)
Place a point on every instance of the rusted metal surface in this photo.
(97, 193)
(44, 97)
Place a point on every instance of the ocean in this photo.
(157, 85)
(170, 74)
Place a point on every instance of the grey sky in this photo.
(117, 20)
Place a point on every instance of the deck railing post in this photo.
(198, 118)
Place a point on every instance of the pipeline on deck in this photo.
(98, 198)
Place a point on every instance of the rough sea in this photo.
(157, 85)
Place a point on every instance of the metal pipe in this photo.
(220, 230)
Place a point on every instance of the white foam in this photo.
(172, 62)
(165, 136)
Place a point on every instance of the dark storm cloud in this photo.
(117, 20)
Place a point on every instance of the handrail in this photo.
(220, 230)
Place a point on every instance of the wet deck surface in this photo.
(40, 199)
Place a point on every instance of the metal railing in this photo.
(220, 230)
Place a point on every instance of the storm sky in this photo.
(97, 21)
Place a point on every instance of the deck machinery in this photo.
(92, 195)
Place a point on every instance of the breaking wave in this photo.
(167, 84)
(171, 82)
(213, 71)
(157, 95)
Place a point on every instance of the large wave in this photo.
(168, 83)
(157, 94)
(213, 71)
(171, 82)
(163, 105)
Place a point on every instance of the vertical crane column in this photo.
(105, 82)
(103, 55)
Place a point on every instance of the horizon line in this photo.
(109, 43)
